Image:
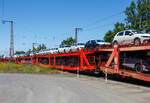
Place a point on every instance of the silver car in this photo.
(77, 46)
(64, 49)
(131, 37)
(137, 64)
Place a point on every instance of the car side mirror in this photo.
(130, 34)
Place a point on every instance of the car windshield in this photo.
(136, 32)
(100, 40)
(61, 46)
(55, 48)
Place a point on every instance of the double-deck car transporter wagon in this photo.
(106, 59)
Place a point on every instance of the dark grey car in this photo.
(137, 64)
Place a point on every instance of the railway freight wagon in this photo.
(126, 61)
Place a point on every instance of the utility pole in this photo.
(76, 34)
(11, 38)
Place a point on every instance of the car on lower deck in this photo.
(138, 64)
(131, 37)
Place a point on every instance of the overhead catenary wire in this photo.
(87, 27)
(101, 20)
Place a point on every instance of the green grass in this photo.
(25, 68)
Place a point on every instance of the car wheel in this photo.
(115, 43)
(137, 41)
(138, 68)
(96, 71)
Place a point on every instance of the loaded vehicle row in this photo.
(69, 48)
(121, 38)
(139, 63)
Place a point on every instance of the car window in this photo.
(100, 40)
(67, 46)
(137, 32)
(120, 34)
(88, 42)
(127, 33)
(80, 44)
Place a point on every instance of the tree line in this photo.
(36, 49)
(137, 17)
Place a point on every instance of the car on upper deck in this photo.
(77, 46)
(64, 48)
(96, 43)
(131, 37)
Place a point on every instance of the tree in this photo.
(138, 15)
(132, 16)
(40, 47)
(111, 33)
(137, 18)
(109, 36)
(68, 41)
(29, 51)
(19, 52)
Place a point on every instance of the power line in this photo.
(103, 19)
(100, 26)
(98, 21)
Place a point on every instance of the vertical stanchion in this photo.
(106, 75)
(37, 61)
(81, 62)
(141, 63)
(62, 66)
(116, 58)
(49, 62)
(78, 76)
(54, 61)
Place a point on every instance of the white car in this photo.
(47, 51)
(21, 55)
(61, 49)
(131, 37)
(40, 52)
(67, 48)
(32, 54)
(16, 55)
(77, 46)
(54, 51)
(64, 49)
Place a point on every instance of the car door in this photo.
(86, 45)
(92, 43)
(120, 38)
(128, 37)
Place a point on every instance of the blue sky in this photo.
(51, 21)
